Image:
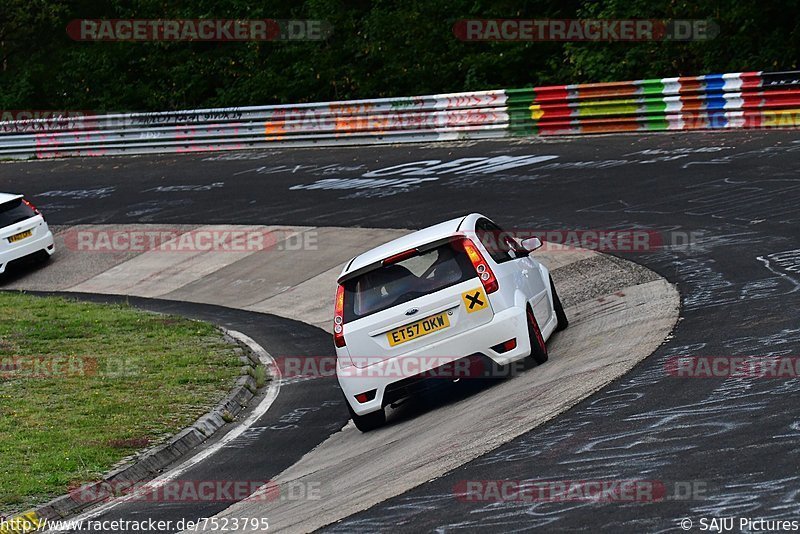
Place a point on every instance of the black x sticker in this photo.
(474, 300)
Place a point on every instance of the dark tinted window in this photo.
(499, 243)
(14, 212)
(411, 278)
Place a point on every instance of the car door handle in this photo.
(525, 273)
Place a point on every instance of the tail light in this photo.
(338, 318)
(31, 206)
(481, 267)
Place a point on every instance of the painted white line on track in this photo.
(273, 389)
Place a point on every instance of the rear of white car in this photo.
(23, 231)
(426, 302)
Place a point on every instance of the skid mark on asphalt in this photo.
(720, 198)
(639, 443)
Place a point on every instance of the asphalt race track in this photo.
(725, 206)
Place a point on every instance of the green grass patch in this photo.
(82, 386)
(259, 373)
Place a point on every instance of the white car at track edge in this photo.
(431, 299)
(23, 231)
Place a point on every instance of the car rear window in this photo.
(394, 284)
(14, 212)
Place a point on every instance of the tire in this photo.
(538, 347)
(367, 422)
(563, 322)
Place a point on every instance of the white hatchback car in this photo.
(432, 300)
(23, 231)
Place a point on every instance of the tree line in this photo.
(374, 49)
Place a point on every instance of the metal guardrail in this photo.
(735, 100)
(387, 120)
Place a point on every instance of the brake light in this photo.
(397, 258)
(338, 318)
(31, 206)
(481, 267)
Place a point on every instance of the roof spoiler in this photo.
(378, 264)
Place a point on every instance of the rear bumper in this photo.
(41, 243)
(442, 360)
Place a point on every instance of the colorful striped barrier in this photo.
(735, 100)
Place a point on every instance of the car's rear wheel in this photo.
(367, 422)
(538, 347)
(563, 322)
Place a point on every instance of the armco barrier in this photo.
(736, 100)
(427, 118)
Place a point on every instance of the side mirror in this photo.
(531, 244)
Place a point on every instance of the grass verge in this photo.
(82, 386)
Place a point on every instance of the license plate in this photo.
(421, 328)
(20, 236)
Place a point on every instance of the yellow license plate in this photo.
(421, 328)
(20, 236)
